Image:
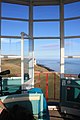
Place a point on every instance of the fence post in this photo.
(54, 86)
(47, 86)
(39, 80)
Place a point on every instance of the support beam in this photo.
(62, 38)
(46, 37)
(22, 58)
(31, 46)
(15, 19)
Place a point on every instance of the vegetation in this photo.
(14, 65)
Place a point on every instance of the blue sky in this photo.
(43, 48)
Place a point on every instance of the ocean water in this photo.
(72, 66)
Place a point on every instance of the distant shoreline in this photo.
(49, 69)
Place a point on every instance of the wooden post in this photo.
(39, 80)
(47, 86)
(54, 85)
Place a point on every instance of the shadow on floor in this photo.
(57, 115)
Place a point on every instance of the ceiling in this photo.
(39, 2)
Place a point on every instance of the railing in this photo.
(49, 82)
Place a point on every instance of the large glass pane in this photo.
(72, 66)
(15, 11)
(10, 46)
(46, 29)
(47, 56)
(11, 50)
(47, 53)
(72, 10)
(72, 47)
(72, 27)
(13, 27)
(46, 12)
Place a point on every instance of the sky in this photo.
(49, 48)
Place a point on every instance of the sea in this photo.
(71, 65)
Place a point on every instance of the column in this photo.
(62, 38)
(31, 46)
(22, 58)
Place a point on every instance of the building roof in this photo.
(39, 2)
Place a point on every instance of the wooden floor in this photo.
(56, 115)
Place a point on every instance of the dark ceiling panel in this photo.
(39, 2)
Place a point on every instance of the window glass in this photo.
(72, 27)
(46, 12)
(46, 29)
(13, 27)
(72, 47)
(47, 53)
(72, 10)
(15, 11)
(10, 46)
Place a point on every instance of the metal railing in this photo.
(49, 82)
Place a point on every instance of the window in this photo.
(15, 11)
(46, 12)
(72, 10)
(13, 28)
(48, 29)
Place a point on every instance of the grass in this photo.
(14, 65)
